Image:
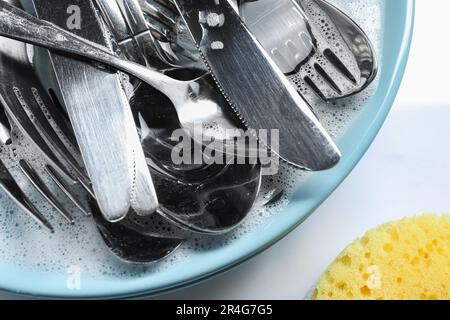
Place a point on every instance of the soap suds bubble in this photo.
(25, 244)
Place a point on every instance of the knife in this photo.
(101, 119)
(256, 89)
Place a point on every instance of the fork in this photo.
(283, 30)
(317, 66)
(135, 41)
(351, 54)
(24, 105)
(147, 32)
(331, 72)
(14, 191)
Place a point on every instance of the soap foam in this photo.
(24, 244)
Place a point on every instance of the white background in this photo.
(405, 172)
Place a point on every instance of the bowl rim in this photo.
(31, 283)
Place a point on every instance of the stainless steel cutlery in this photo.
(137, 239)
(283, 30)
(9, 186)
(41, 187)
(190, 64)
(194, 186)
(163, 21)
(255, 87)
(187, 96)
(318, 47)
(102, 121)
(210, 112)
(23, 97)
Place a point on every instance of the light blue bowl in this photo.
(201, 265)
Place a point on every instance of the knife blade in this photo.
(102, 120)
(256, 89)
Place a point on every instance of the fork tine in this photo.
(327, 78)
(159, 40)
(14, 192)
(63, 186)
(40, 186)
(167, 51)
(185, 53)
(142, 47)
(309, 83)
(166, 40)
(331, 75)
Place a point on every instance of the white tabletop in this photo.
(405, 172)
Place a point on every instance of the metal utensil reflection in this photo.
(205, 198)
(100, 117)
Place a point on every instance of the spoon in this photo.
(215, 206)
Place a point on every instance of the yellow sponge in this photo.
(407, 259)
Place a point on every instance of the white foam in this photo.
(25, 245)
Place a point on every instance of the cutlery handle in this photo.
(19, 25)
